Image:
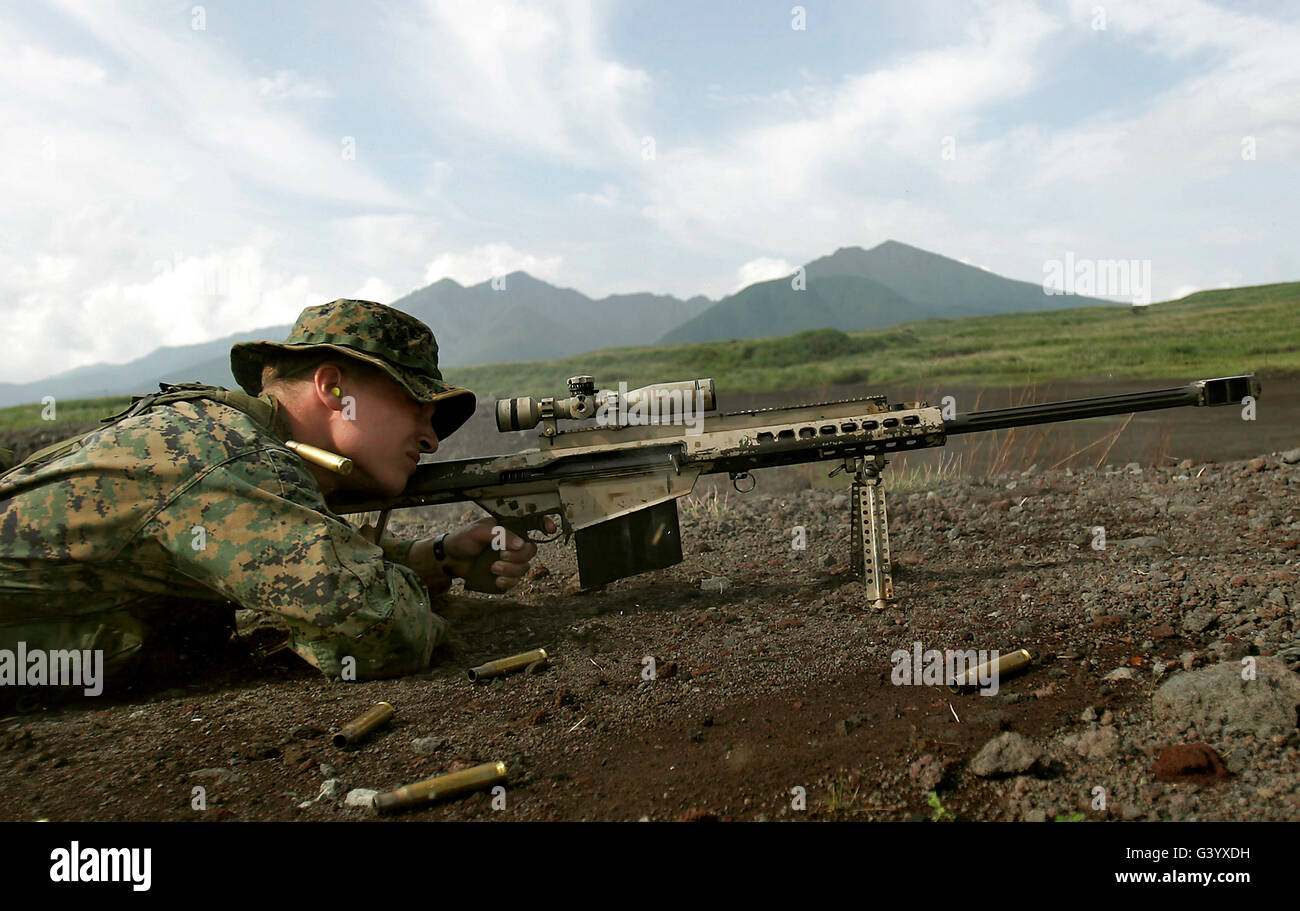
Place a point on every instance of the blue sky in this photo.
(175, 172)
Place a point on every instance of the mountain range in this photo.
(522, 318)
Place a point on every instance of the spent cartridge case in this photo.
(322, 457)
(359, 727)
(507, 665)
(1002, 666)
(441, 787)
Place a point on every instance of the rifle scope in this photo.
(660, 403)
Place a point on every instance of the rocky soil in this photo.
(1162, 686)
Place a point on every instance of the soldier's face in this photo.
(384, 431)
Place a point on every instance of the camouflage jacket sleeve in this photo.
(257, 530)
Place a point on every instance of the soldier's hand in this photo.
(512, 553)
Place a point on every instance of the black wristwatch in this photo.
(440, 554)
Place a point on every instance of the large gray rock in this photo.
(1008, 753)
(1218, 694)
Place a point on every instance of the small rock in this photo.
(427, 745)
(853, 722)
(1189, 762)
(1291, 456)
(328, 771)
(1120, 673)
(1008, 753)
(927, 772)
(697, 815)
(220, 774)
(1089, 715)
(1147, 543)
(1257, 464)
(360, 797)
(1200, 619)
(330, 789)
(716, 584)
(1099, 744)
(1036, 815)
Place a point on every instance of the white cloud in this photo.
(187, 299)
(761, 270)
(531, 75)
(481, 263)
(130, 170)
(287, 85)
(39, 69)
(182, 89)
(1246, 87)
(385, 243)
(375, 289)
(766, 184)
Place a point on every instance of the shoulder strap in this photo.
(258, 409)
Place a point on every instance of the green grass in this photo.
(80, 411)
(938, 812)
(1211, 333)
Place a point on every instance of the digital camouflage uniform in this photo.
(196, 503)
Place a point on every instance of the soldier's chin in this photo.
(389, 485)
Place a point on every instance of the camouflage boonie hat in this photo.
(396, 342)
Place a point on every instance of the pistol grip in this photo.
(481, 578)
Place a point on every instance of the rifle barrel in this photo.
(1221, 391)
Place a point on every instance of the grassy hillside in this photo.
(1211, 333)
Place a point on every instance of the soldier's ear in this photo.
(328, 386)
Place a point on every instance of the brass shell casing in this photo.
(506, 665)
(359, 727)
(1005, 665)
(322, 457)
(441, 787)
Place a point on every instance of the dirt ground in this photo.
(776, 698)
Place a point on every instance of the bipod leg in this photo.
(870, 529)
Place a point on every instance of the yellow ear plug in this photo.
(337, 391)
